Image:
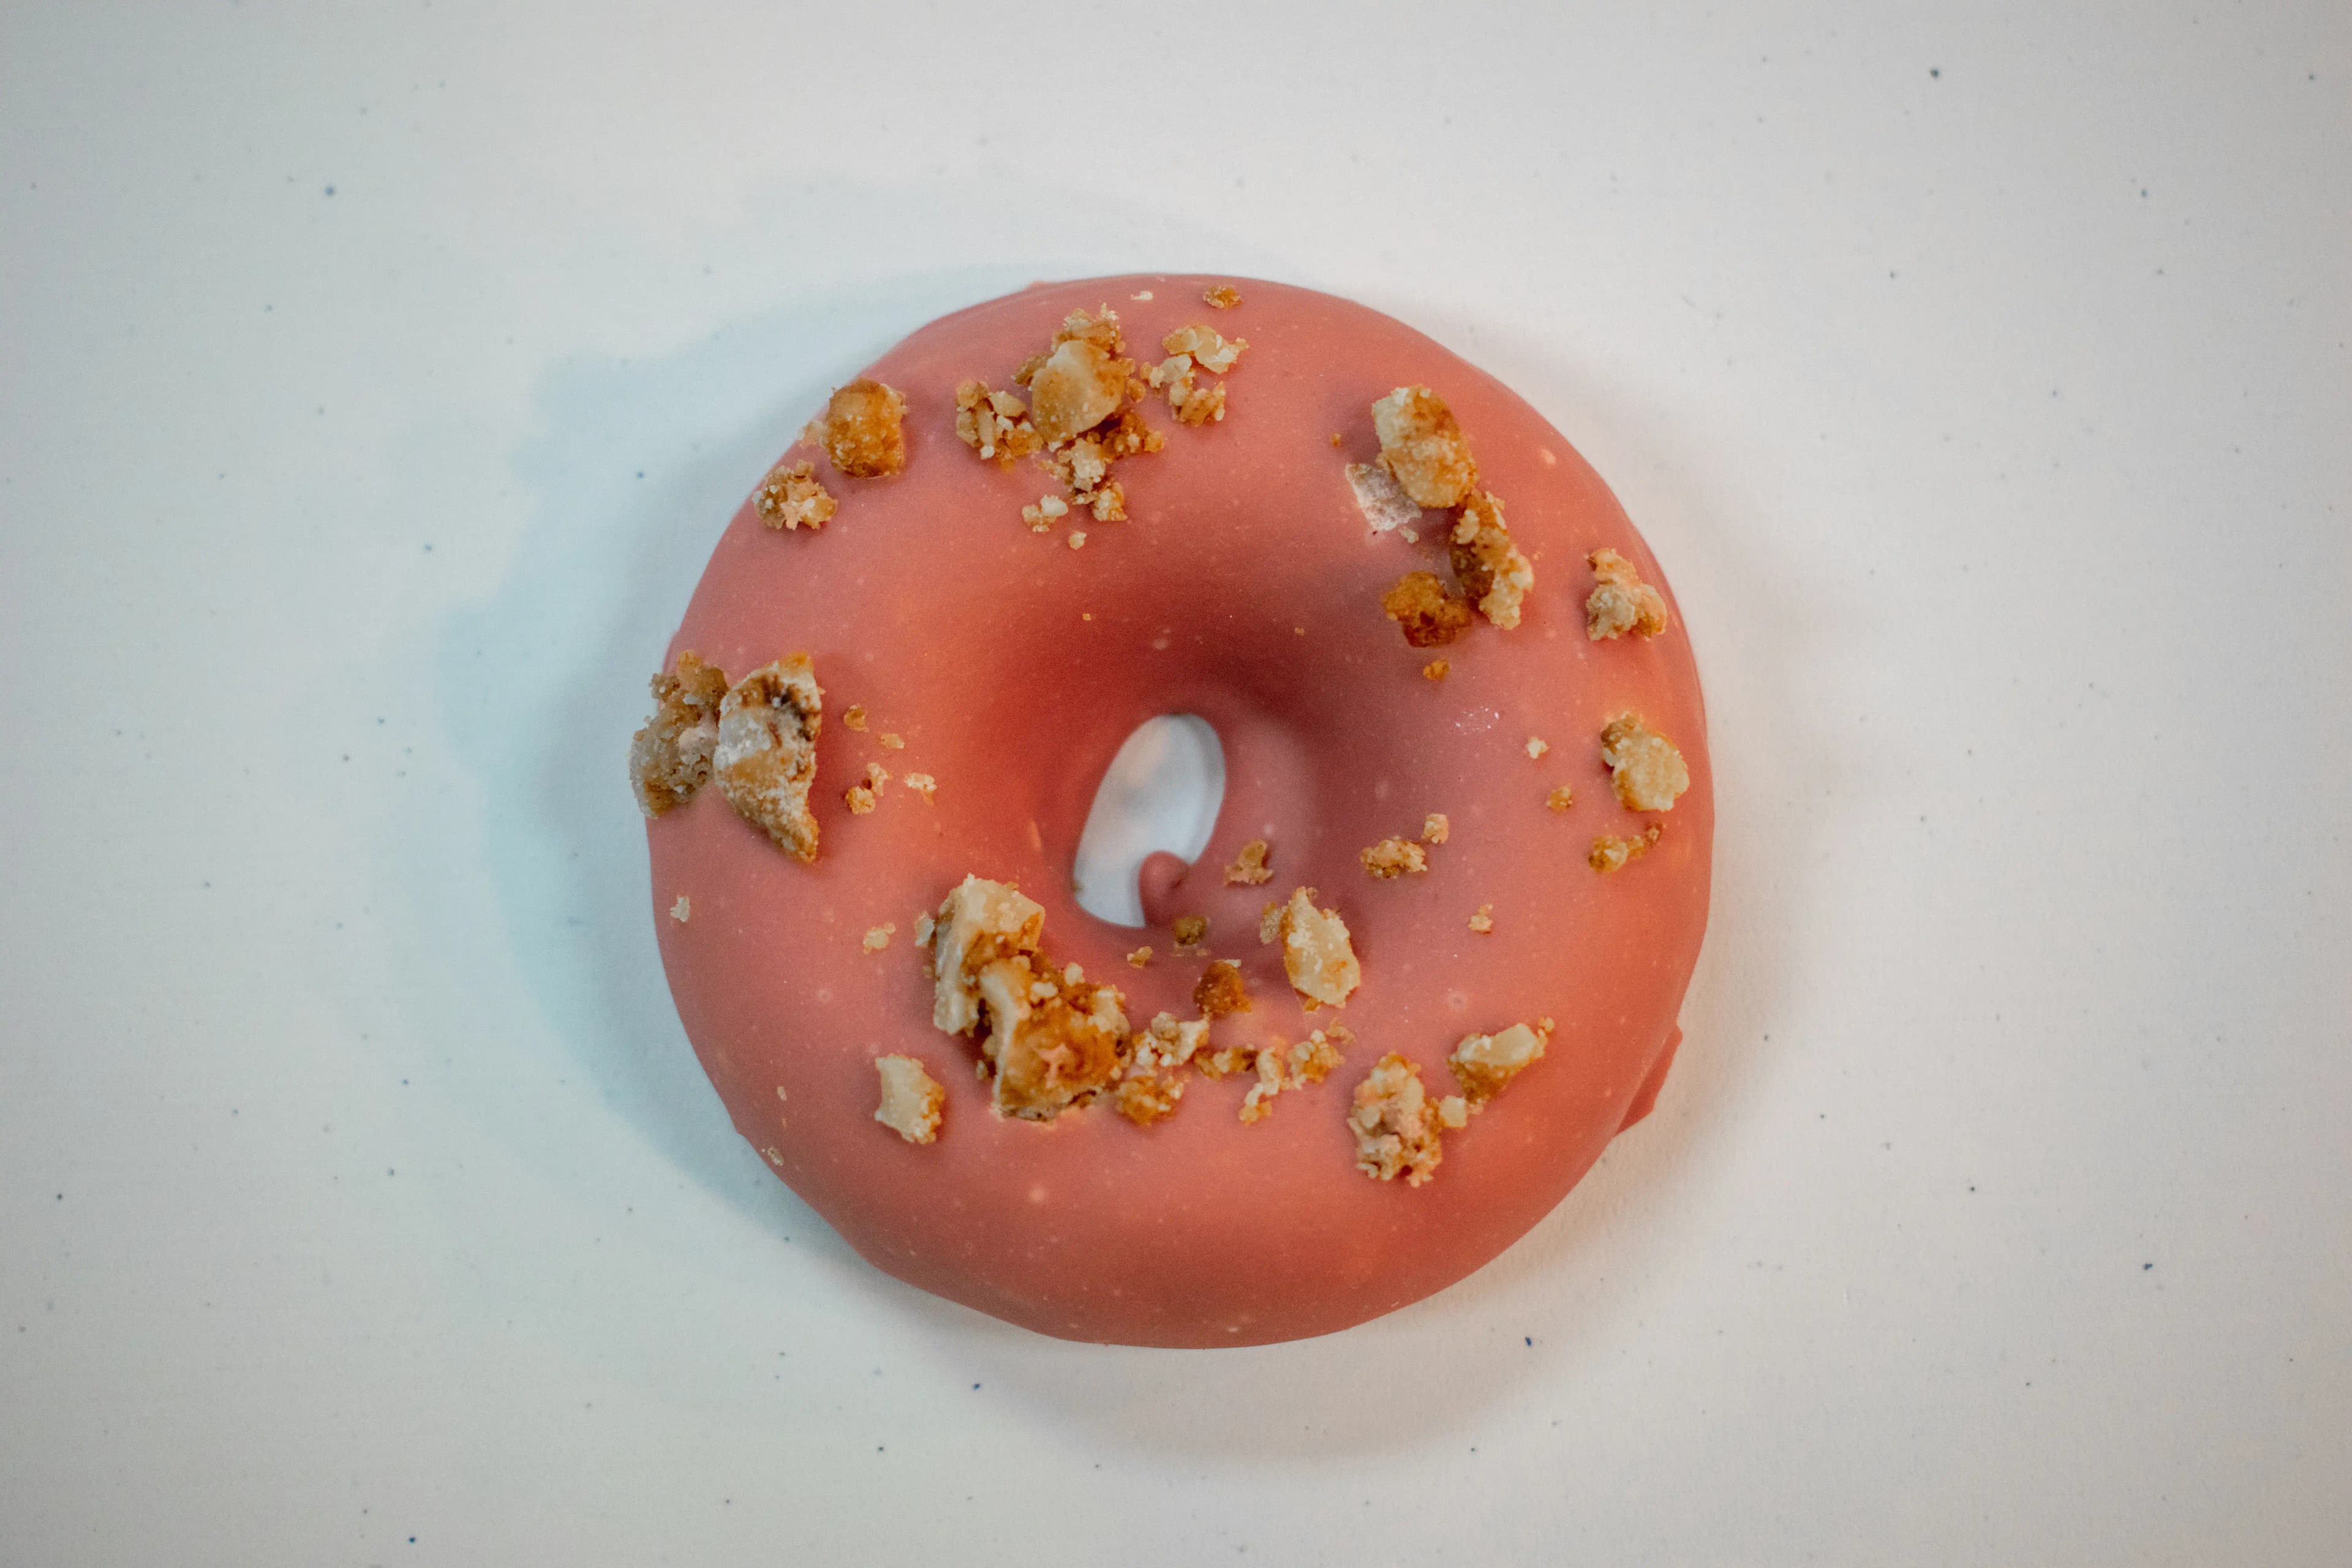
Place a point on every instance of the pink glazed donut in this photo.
(928, 683)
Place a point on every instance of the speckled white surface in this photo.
(372, 381)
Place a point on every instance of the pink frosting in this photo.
(1245, 588)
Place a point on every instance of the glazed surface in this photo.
(1246, 588)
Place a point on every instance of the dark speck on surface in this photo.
(330, 190)
(1936, 72)
(2146, 1266)
(1531, 1342)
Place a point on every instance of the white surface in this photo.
(360, 1200)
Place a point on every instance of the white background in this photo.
(372, 383)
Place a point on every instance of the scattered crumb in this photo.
(1484, 1065)
(1645, 769)
(924, 785)
(1393, 858)
(861, 429)
(1335, 438)
(876, 775)
(1082, 379)
(1396, 1131)
(1436, 827)
(854, 718)
(766, 757)
(891, 742)
(1610, 853)
(912, 1100)
(1269, 922)
(1052, 1041)
(1430, 615)
(670, 759)
(682, 910)
(1537, 746)
(1150, 1088)
(1380, 497)
(1454, 1112)
(792, 497)
(1561, 798)
(1621, 600)
(1435, 669)
(1221, 990)
(1140, 957)
(1316, 951)
(1423, 446)
(1042, 516)
(1483, 922)
(1492, 571)
(1221, 296)
(1283, 1067)
(1078, 538)
(1250, 868)
(924, 927)
(859, 799)
(878, 937)
(994, 424)
(1191, 930)
(1208, 348)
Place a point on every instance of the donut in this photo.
(1433, 958)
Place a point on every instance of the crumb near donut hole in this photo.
(1053, 1041)
(1398, 1130)
(1317, 954)
(1221, 990)
(766, 757)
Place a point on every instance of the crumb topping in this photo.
(1645, 769)
(912, 1100)
(1560, 798)
(1054, 1041)
(670, 759)
(1250, 868)
(792, 497)
(1429, 614)
(1150, 1087)
(1393, 858)
(1190, 931)
(766, 757)
(1483, 922)
(1140, 957)
(1315, 951)
(1078, 538)
(858, 798)
(1049, 510)
(1537, 747)
(1269, 922)
(1492, 571)
(995, 425)
(1397, 1130)
(1423, 446)
(1208, 348)
(1221, 296)
(1221, 990)
(1621, 600)
(1484, 1065)
(1611, 853)
(1283, 1067)
(894, 742)
(878, 937)
(853, 718)
(923, 784)
(1083, 377)
(861, 429)
(1436, 827)
(1381, 498)
(682, 910)
(1435, 669)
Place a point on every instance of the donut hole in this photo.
(1161, 792)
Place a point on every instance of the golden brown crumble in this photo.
(1269, 922)
(859, 799)
(1283, 1067)
(766, 756)
(1207, 347)
(894, 742)
(1250, 868)
(1393, 858)
(1190, 931)
(1082, 379)
(1316, 951)
(1610, 853)
(912, 1100)
(1484, 1065)
(1381, 498)
(1537, 747)
(853, 718)
(862, 429)
(876, 775)
(1397, 1130)
(1045, 514)
(682, 910)
(925, 785)
(1151, 1086)
(1147, 1097)
(1078, 538)
(1430, 616)
(1140, 957)
(1423, 446)
(1645, 769)
(1436, 669)
(1221, 990)
(1483, 922)
(1560, 798)
(1492, 571)
(1053, 1041)
(1436, 827)
(670, 759)
(878, 937)
(1221, 296)
(1621, 600)
(993, 424)
(792, 497)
